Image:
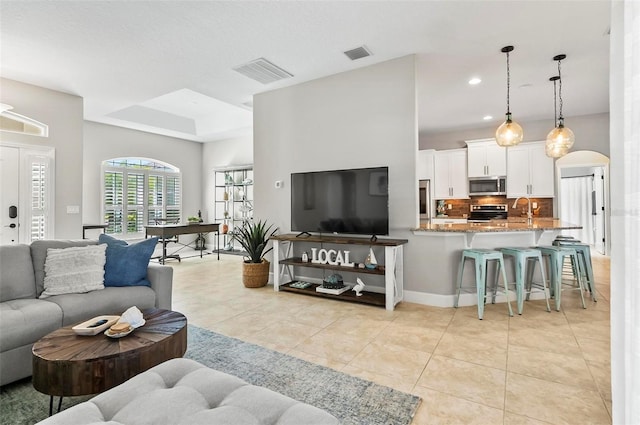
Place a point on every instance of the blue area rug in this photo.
(353, 401)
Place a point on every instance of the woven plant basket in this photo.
(255, 275)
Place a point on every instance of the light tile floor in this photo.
(537, 368)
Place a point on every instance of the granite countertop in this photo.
(509, 225)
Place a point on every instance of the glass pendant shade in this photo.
(509, 133)
(559, 141)
(561, 138)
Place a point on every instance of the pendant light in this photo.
(509, 133)
(561, 138)
(551, 149)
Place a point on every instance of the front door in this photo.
(26, 194)
(9, 195)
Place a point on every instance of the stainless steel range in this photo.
(488, 212)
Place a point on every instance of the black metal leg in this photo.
(51, 405)
(218, 242)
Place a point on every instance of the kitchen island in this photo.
(441, 245)
(541, 231)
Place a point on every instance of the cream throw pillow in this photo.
(74, 270)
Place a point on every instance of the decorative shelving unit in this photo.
(233, 202)
(285, 265)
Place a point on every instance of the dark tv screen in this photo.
(341, 201)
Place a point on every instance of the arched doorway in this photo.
(582, 186)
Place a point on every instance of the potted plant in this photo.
(254, 236)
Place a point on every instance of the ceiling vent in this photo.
(358, 52)
(262, 71)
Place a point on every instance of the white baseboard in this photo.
(466, 299)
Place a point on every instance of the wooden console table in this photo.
(392, 270)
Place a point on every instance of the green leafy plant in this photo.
(253, 236)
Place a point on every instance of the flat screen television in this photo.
(352, 201)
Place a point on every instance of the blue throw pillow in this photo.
(126, 265)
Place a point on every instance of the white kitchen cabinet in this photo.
(529, 171)
(486, 158)
(424, 164)
(450, 174)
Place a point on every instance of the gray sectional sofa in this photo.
(24, 318)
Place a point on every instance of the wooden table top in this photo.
(168, 230)
(67, 364)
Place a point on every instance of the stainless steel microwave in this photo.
(424, 199)
(487, 186)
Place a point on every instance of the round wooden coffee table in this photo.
(67, 364)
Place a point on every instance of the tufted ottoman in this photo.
(182, 391)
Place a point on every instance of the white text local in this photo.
(330, 256)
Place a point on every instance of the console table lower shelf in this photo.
(371, 298)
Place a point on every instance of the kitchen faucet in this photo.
(529, 215)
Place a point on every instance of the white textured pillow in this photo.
(74, 270)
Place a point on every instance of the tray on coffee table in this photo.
(92, 326)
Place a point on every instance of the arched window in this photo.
(16, 123)
(137, 191)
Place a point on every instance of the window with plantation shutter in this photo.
(152, 191)
(174, 198)
(155, 198)
(135, 203)
(113, 201)
(39, 197)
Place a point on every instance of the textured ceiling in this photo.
(166, 66)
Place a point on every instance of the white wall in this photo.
(105, 142)
(624, 98)
(222, 154)
(63, 113)
(361, 118)
(591, 131)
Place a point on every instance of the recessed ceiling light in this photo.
(487, 117)
(474, 81)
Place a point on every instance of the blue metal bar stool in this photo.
(481, 257)
(556, 256)
(567, 238)
(571, 268)
(524, 260)
(584, 257)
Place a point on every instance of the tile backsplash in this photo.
(460, 207)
